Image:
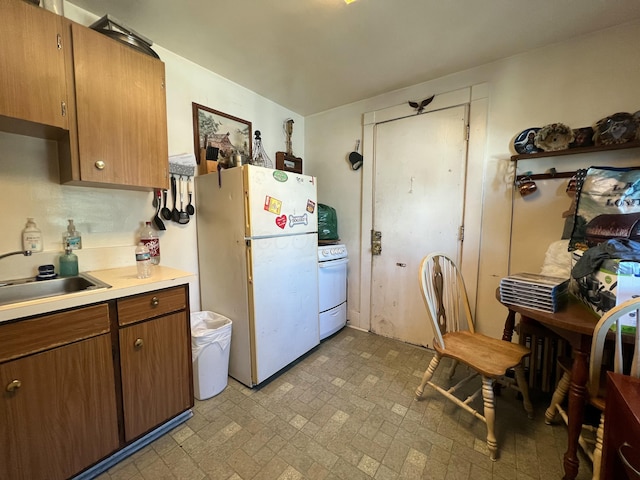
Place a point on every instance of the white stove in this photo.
(332, 288)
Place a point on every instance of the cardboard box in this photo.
(615, 282)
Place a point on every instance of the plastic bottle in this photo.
(72, 237)
(150, 239)
(31, 237)
(68, 263)
(143, 261)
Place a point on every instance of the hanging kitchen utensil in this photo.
(175, 214)
(355, 158)
(184, 216)
(157, 221)
(190, 208)
(166, 212)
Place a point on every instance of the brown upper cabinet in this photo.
(103, 101)
(33, 85)
(121, 116)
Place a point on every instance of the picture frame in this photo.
(217, 135)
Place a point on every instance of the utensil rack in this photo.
(545, 176)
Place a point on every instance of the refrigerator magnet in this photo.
(311, 206)
(272, 205)
(280, 176)
(298, 220)
(281, 221)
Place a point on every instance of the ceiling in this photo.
(313, 55)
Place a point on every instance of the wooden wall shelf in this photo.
(570, 151)
(575, 151)
(288, 163)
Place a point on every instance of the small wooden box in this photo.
(288, 163)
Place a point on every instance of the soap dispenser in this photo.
(31, 237)
(68, 263)
(72, 237)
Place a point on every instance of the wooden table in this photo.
(575, 323)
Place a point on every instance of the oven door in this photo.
(332, 283)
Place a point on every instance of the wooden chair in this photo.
(597, 370)
(626, 363)
(446, 300)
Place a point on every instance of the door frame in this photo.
(477, 97)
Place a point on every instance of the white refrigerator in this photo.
(257, 254)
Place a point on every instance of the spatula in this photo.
(157, 221)
(175, 214)
(184, 216)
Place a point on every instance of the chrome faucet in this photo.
(26, 253)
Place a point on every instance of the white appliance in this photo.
(257, 253)
(332, 288)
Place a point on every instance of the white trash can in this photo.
(210, 345)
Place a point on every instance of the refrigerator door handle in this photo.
(247, 214)
(248, 260)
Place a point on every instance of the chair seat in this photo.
(488, 356)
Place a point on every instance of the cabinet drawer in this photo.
(48, 331)
(149, 305)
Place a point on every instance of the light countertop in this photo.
(123, 281)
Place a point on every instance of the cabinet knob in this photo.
(138, 343)
(155, 302)
(13, 386)
(100, 165)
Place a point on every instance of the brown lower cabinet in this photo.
(79, 385)
(153, 368)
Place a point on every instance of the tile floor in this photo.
(347, 411)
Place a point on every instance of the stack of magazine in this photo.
(531, 290)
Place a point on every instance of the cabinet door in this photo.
(121, 112)
(32, 74)
(156, 384)
(48, 424)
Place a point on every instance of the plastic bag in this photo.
(209, 328)
(327, 223)
(608, 206)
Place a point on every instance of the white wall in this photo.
(576, 82)
(108, 219)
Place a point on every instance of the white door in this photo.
(418, 205)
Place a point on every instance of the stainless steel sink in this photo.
(14, 291)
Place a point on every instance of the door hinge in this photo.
(461, 233)
(59, 40)
(468, 129)
(63, 108)
(376, 242)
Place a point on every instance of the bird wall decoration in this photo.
(420, 106)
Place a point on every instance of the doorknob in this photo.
(376, 242)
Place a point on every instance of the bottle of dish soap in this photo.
(68, 263)
(31, 237)
(72, 237)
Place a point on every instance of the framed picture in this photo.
(217, 135)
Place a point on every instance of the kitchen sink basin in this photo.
(14, 291)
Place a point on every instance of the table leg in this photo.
(577, 396)
(509, 325)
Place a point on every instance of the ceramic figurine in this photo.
(554, 137)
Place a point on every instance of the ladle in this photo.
(190, 208)
(166, 212)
